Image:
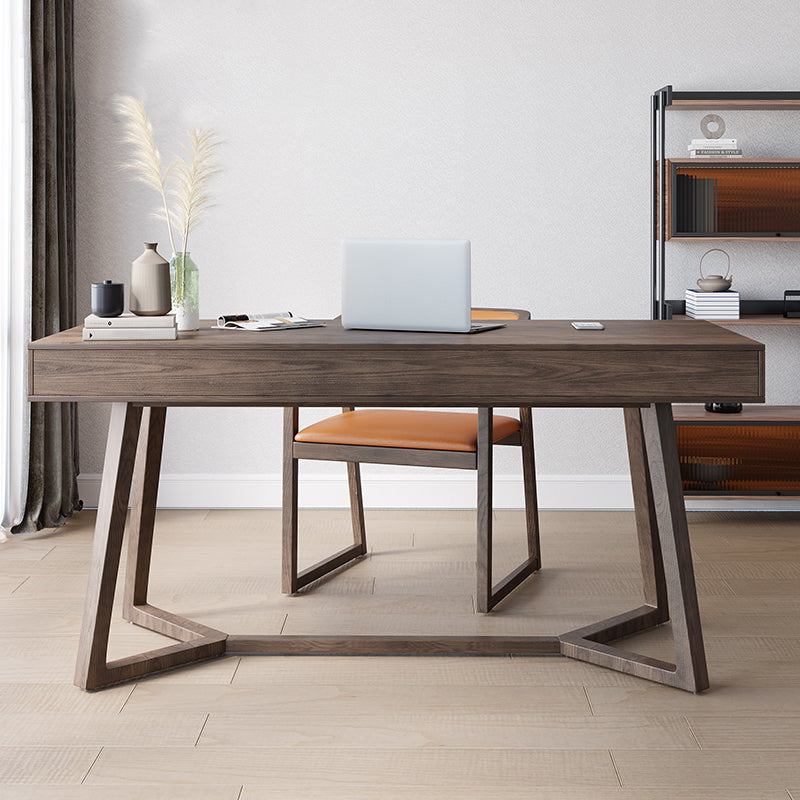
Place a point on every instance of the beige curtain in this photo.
(53, 464)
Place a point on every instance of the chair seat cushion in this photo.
(490, 313)
(422, 430)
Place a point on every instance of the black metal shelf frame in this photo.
(661, 101)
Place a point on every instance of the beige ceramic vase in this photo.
(150, 293)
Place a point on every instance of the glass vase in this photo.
(185, 281)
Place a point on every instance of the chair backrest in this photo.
(500, 313)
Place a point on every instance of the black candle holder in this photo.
(724, 408)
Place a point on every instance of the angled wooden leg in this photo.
(653, 580)
(289, 572)
(112, 508)
(666, 565)
(93, 670)
(144, 495)
(484, 547)
(665, 477)
(529, 481)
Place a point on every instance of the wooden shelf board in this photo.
(750, 414)
(750, 319)
(723, 238)
(734, 105)
(692, 495)
(736, 162)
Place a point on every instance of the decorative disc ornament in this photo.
(712, 126)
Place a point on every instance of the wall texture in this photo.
(522, 125)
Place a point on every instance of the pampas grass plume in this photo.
(186, 179)
(145, 160)
(191, 174)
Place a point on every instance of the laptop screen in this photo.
(406, 284)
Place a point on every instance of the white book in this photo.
(708, 295)
(122, 334)
(713, 147)
(712, 143)
(713, 308)
(716, 151)
(129, 321)
(703, 303)
(710, 304)
(732, 315)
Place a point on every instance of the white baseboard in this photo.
(383, 491)
(573, 492)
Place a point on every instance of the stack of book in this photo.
(714, 148)
(128, 326)
(695, 204)
(712, 305)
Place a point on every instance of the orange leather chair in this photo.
(415, 438)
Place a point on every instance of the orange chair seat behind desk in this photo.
(416, 438)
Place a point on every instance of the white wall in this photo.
(522, 126)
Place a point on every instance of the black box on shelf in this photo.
(791, 303)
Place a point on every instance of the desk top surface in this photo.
(527, 334)
(527, 363)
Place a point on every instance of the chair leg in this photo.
(291, 579)
(488, 596)
(356, 499)
(357, 506)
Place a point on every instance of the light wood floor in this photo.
(539, 728)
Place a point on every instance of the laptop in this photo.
(408, 285)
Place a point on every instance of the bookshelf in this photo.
(756, 453)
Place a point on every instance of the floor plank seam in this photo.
(616, 771)
(691, 731)
(202, 728)
(24, 581)
(91, 766)
(235, 670)
(130, 694)
(588, 701)
(39, 560)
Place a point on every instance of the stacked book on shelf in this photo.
(712, 305)
(695, 204)
(714, 148)
(128, 326)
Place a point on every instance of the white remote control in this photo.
(588, 326)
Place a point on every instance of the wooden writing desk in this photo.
(639, 366)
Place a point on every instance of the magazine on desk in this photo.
(273, 321)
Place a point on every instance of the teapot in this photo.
(715, 283)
